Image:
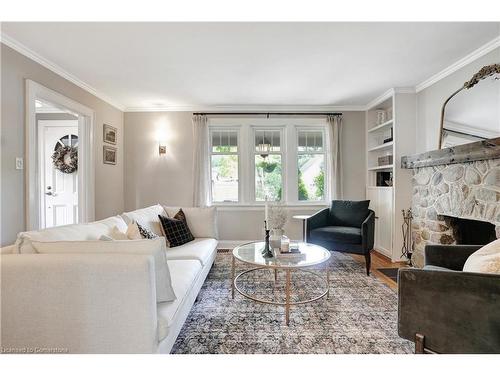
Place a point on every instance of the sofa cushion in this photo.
(72, 232)
(346, 235)
(202, 221)
(147, 217)
(485, 260)
(349, 213)
(155, 247)
(184, 274)
(201, 249)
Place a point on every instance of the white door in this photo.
(59, 191)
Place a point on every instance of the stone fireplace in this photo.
(447, 196)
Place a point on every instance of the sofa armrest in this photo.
(11, 249)
(368, 231)
(318, 220)
(448, 256)
(79, 303)
(457, 312)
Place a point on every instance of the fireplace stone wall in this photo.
(467, 190)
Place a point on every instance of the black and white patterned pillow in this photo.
(145, 233)
(176, 231)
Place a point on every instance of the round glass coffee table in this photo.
(309, 255)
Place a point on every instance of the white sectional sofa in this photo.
(100, 302)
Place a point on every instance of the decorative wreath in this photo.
(65, 159)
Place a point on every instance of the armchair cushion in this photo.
(437, 268)
(452, 257)
(346, 235)
(348, 213)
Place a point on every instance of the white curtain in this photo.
(335, 162)
(201, 165)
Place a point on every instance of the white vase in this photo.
(275, 238)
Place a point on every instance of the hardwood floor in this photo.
(381, 261)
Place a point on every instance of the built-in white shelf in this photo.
(381, 147)
(381, 167)
(388, 201)
(381, 126)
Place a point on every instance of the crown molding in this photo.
(249, 108)
(23, 50)
(481, 51)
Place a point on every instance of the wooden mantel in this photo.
(482, 150)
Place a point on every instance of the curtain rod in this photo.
(268, 113)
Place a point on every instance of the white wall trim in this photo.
(248, 108)
(86, 165)
(386, 95)
(481, 51)
(23, 50)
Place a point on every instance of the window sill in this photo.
(260, 207)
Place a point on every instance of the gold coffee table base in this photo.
(288, 303)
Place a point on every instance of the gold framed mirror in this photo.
(472, 115)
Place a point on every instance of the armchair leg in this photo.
(419, 343)
(368, 261)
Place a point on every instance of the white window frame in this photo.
(324, 152)
(289, 127)
(282, 152)
(237, 153)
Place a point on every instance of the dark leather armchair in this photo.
(445, 310)
(347, 226)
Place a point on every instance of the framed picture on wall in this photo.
(109, 134)
(109, 155)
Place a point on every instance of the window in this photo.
(283, 159)
(267, 165)
(224, 165)
(310, 165)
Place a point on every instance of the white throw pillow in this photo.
(155, 247)
(485, 260)
(117, 234)
(132, 233)
(72, 232)
(147, 217)
(202, 221)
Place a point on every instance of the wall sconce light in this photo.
(162, 148)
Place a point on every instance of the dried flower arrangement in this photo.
(277, 216)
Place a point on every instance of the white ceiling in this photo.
(250, 64)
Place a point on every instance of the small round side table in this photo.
(304, 219)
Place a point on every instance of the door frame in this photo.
(86, 165)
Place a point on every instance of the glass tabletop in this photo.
(309, 255)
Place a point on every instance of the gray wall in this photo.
(109, 190)
(151, 179)
(431, 99)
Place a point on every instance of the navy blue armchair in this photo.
(347, 226)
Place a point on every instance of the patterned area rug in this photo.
(360, 316)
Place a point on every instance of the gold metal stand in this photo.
(288, 303)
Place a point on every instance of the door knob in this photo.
(50, 193)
